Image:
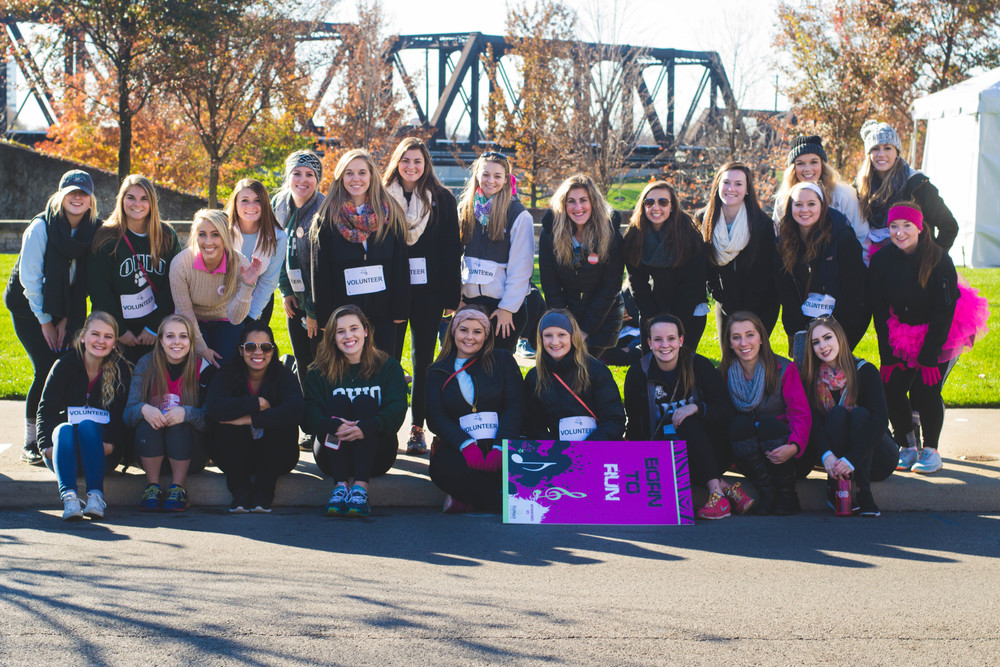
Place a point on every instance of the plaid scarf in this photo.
(481, 205)
(829, 381)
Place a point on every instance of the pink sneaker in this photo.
(452, 506)
(739, 499)
(717, 507)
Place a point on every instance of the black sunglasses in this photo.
(493, 155)
(252, 347)
(662, 202)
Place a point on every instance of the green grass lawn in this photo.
(975, 381)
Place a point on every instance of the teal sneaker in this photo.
(177, 499)
(337, 505)
(357, 502)
(907, 457)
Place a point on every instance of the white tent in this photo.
(962, 158)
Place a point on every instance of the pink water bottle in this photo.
(844, 504)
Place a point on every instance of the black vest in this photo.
(481, 247)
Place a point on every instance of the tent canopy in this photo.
(980, 94)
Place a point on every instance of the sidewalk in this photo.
(969, 481)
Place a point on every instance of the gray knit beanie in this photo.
(304, 159)
(874, 133)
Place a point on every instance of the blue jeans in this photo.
(221, 336)
(73, 442)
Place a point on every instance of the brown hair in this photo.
(713, 210)
(428, 181)
(682, 235)
(892, 186)
(685, 365)
(791, 246)
(928, 251)
(332, 363)
(114, 227)
(267, 239)
(767, 356)
(154, 383)
(845, 362)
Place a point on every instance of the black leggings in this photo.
(359, 460)
(180, 442)
(449, 471)
(252, 467)
(706, 449)
(303, 347)
(385, 334)
(29, 332)
(424, 323)
(923, 399)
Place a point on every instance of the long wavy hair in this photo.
(811, 365)
(597, 232)
(109, 373)
(580, 382)
(220, 222)
(713, 210)
(332, 363)
(681, 233)
(828, 180)
(428, 184)
(155, 382)
(501, 200)
(448, 346)
(685, 365)
(766, 355)
(113, 230)
(792, 247)
(890, 188)
(267, 239)
(928, 251)
(391, 219)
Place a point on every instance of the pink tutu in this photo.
(971, 314)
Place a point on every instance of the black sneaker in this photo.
(31, 455)
(866, 504)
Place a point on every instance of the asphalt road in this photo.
(414, 587)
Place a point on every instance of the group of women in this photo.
(178, 350)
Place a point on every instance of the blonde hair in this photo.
(332, 363)
(220, 222)
(828, 180)
(448, 345)
(114, 227)
(597, 232)
(154, 383)
(109, 373)
(580, 382)
(267, 239)
(54, 206)
(501, 200)
(388, 213)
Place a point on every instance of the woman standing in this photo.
(165, 409)
(850, 416)
(475, 399)
(580, 260)
(772, 421)
(499, 239)
(127, 272)
(294, 206)
(807, 163)
(435, 254)
(885, 179)
(355, 404)
(359, 249)
(212, 283)
(256, 233)
(571, 395)
(741, 247)
(80, 414)
(924, 320)
(819, 270)
(257, 406)
(47, 291)
(666, 261)
(674, 394)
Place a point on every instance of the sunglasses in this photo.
(662, 202)
(493, 155)
(252, 347)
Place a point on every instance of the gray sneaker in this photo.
(907, 457)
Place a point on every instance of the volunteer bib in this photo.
(138, 305)
(576, 428)
(364, 280)
(85, 413)
(295, 280)
(818, 305)
(477, 271)
(480, 425)
(418, 270)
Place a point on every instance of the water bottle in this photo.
(844, 502)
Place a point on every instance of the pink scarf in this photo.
(828, 382)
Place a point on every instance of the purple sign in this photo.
(620, 482)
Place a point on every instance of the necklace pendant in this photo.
(474, 408)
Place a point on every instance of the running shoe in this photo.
(95, 505)
(416, 445)
(524, 349)
(907, 458)
(261, 509)
(237, 507)
(151, 498)
(337, 505)
(177, 499)
(717, 507)
(357, 502)
(739, 499)
(31, 455)
(866, 505)
(452, 506)
(72, 510)
(929, 461)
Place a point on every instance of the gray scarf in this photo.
(746, 394)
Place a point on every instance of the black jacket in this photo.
(229, 396)
(658, 288)
(747, 282)
(937, 215)
(66, 386)
(871, 396)
(556, 402)
(892, 283)
(648, 395)
(838, 271)
(333, 254)
(441, 246)
(501, 391)
(592, 292)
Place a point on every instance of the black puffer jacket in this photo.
(500, 391)
(747, 282)
(937, 215)
(592, 292)
(556, 402)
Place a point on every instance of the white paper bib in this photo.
(818, 305)
(576, 428)
(477, 271)
(295, 280)
(138, 305)
(85, 413)
(364, 280)
(480, 425)
(418, 270)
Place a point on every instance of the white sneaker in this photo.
(72, 510)
(95, 505)
(930, 461)
(907, 458)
